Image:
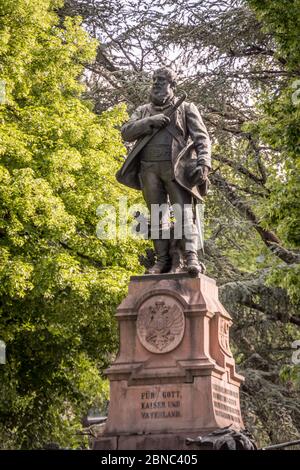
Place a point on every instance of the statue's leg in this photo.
(176, 253)
(185, 227)
(156, 198)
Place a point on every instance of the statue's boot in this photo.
(163, 260)
(190, 251)
(176, 256)
(193, 265)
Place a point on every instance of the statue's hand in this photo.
(159, 121)
(199, 174)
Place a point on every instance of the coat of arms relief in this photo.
(160, 324)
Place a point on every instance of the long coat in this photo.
(190, 146)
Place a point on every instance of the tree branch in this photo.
(81, 255)
(240, 168)
(269, 238)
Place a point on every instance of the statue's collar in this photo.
(164, 106)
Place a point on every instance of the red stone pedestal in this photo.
(174, 376)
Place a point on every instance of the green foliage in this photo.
(290, 374)
(59, 284)
(280, 123)
(279, 127)
(287, 278)
(281, 19)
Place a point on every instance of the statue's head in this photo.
(164, 82)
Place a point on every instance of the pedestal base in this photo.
(174, 376)
(164, 441)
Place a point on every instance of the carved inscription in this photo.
(160, 404)
(226, 403)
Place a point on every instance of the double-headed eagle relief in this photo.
(160, 325)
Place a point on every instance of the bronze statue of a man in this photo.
(170, 160)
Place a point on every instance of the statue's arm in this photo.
(198, 133)
(137, 126)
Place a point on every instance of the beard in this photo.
(160, 97)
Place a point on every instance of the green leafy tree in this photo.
(59, 284)
(279, 127)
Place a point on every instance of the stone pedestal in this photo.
(174, 376)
